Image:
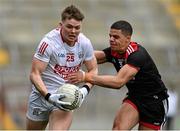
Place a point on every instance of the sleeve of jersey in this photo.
(107, 52)
(136, 60)
(43, 51)
(89, 53)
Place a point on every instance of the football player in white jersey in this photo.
(61, 51)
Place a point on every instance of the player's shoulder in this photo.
(135, 47)
(52, 34)
(52, 37)
(137, 51)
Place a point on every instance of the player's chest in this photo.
(66, 57)
(119, 62)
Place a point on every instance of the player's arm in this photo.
(78, 77)
(126, 73)
(74, 78)
(91, 66)
(38, 67)
(100, 56)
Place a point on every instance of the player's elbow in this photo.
(117, 86)
(96, 71)
(118, 83)
(33, 76)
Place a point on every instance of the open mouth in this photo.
(113, 45)
(73, 36)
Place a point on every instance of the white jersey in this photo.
(61, 58)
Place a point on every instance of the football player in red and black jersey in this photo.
(146, 101)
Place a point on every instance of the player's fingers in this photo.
(72, 75)
(73, 80)
(75, 75)
(61, 96)
(70, 78)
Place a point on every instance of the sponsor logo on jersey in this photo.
(61, 55)
(156, 123)
(37, 111)
(121, 62)
(63, 71)
(155, 97)
(80, 54)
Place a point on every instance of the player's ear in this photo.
(128, 38)
(60, 24)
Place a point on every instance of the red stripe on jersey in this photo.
(117, 55)
(149, 125)
(131, 48)
(46, 45)
(43, 48)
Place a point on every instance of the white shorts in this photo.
(38, 108)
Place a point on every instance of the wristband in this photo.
(47, 96)
(87, 88)
(83, 73)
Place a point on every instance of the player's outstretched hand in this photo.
(76, 77)
(55, 99)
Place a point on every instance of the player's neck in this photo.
(71, 44)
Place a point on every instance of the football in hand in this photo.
(72, 95)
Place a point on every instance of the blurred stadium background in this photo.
(24, 22)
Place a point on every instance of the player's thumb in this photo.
(63, 102)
